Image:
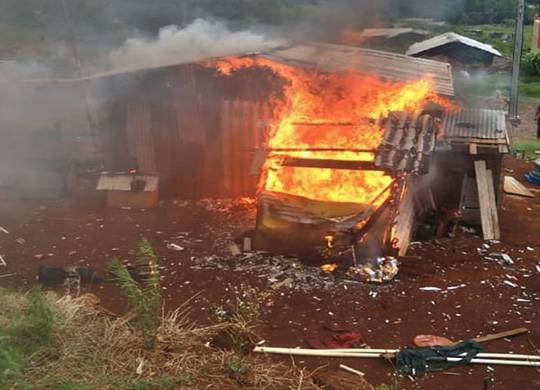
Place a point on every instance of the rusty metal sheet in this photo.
(139, 134)
(244, 126)
(391, 66)
(475, 123)
(407, 143)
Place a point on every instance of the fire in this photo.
(336, 114)
(329, 267)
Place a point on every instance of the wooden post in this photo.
(488, 205)
(493, 206)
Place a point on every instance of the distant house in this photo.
(395, 39)
(455, 49)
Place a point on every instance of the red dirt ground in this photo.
(73, 232)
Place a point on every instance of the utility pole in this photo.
(70, 39)
(516, 62)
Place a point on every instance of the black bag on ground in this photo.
(418, 361)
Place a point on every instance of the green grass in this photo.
(526, 145)
(25, 336)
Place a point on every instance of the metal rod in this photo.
(315, 150)
(361, 352)
(516, 61)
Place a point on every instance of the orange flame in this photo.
(331, 111)
(329, 267)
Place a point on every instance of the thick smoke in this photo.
(202, 39)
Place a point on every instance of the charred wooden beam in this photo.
(352, 150)
(330, 164)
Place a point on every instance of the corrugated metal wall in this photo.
(244, 126)
(139, 134)
(175, 143)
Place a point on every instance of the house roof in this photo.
(390, 32)
(392, 66)
(447, 38)
(330, 58)
(481, 124)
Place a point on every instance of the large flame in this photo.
(329, 112)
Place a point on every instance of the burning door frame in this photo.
(337, 231)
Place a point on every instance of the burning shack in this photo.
(333, 140)
(329, 137)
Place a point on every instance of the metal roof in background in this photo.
(475, 123)
(447, 38)
(391, 32)
(398, 67)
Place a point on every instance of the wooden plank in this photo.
(493, 206)
(473, 149)
(480, 168)
(514, 187)
(503, 149)
(405, 223)
(332, 164)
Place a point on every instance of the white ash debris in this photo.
(276, 271)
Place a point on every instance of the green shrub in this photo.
(27, 339)
(531, 64)
(144, 298)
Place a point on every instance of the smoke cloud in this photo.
(202, 39)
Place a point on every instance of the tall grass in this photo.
(26, 336)
(144, 297)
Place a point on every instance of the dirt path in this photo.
(474, 298)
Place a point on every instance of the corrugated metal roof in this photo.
(122, 182)
(330, 58)
(450, 37)
(390, 32)
(392, 66)
(408, 141)
(475, 123)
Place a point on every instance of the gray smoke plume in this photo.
(202, 39)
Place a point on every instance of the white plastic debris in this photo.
(456, 287)
(2, 262)
(430, 289)
(508, 283)
(140, 367)
(503, 257)
(175, 247)
(3, 230)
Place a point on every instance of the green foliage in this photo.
(241, 315)
(526, 145)
(26, 339)
(531, 64)
(145, 297)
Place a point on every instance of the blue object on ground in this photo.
(534, 176)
